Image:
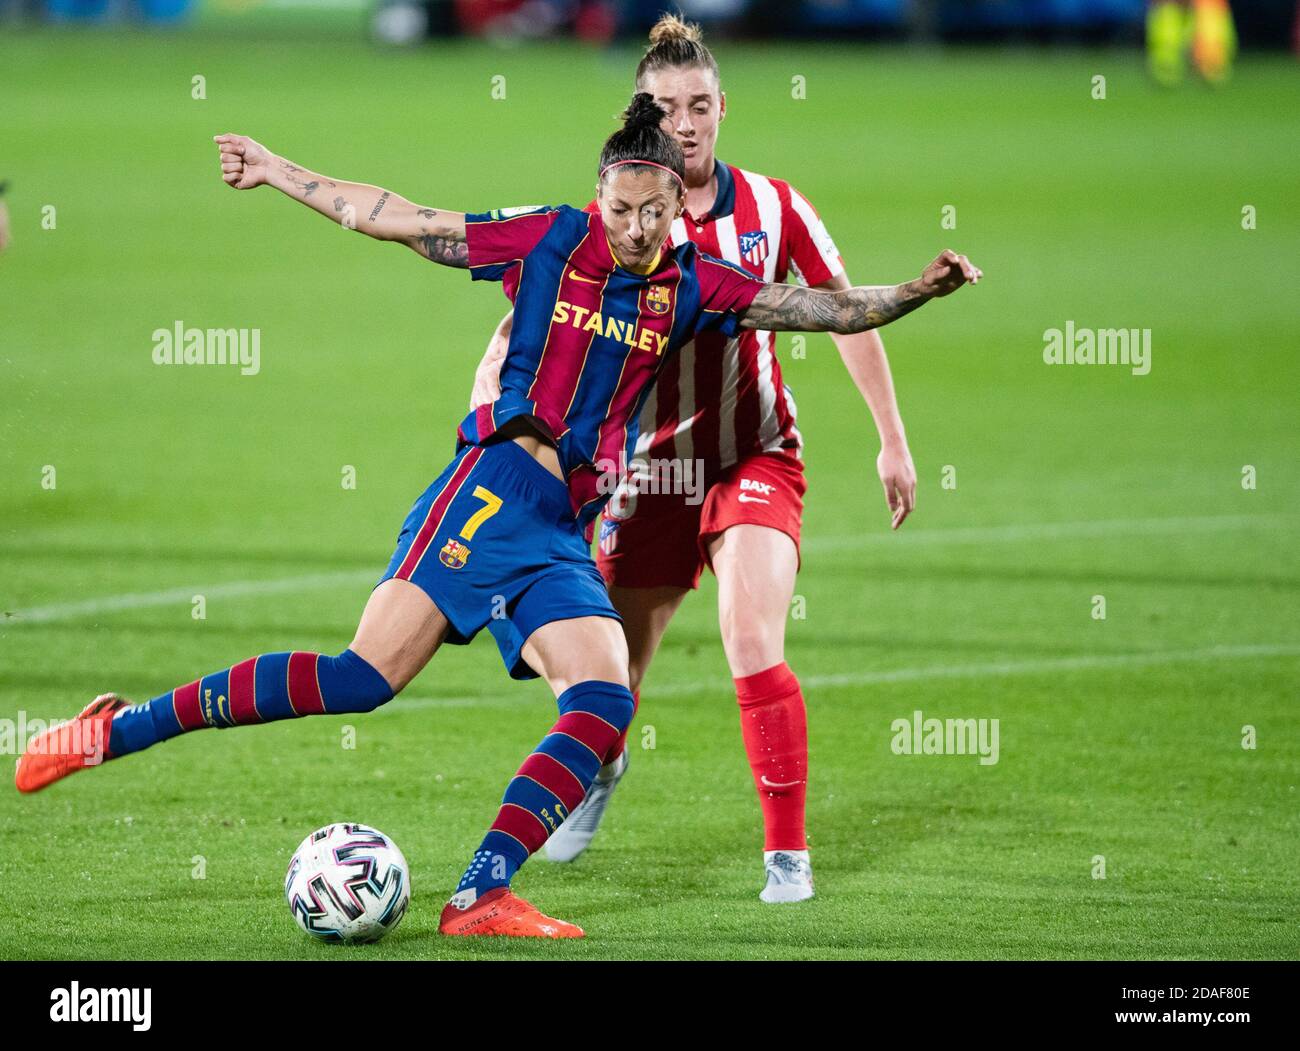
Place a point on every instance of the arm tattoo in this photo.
(308, 188)
(445, 248)
(379, 205)
(781, 308)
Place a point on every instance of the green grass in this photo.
(1115, 213)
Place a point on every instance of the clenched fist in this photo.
(948, 273)
(245, 163)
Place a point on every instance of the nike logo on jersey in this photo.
(585, 280)
(778, 784)
(749, 485)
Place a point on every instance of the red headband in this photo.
(650, 164)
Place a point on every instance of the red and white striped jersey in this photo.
(721, 399)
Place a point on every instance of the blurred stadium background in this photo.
(1261, 23)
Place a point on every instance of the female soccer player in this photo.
(721, 403)
(600, 305)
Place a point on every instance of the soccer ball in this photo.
(347, 883)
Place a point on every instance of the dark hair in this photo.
(673, 44)
(642, 139)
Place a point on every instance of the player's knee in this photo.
(569, 652)
(354, 685)
(752, 645)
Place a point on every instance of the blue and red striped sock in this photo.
(620, 743)
(551, 782)
(258, 690)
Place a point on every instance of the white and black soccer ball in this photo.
(347, 883)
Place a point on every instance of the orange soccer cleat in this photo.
(501, 911)
(68, 747)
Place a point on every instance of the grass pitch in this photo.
(1120, 738)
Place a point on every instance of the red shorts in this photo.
(662, 540)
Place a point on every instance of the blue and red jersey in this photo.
(589, 337)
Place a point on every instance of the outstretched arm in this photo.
(437, 235)
(780, 308)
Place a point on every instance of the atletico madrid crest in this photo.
(608, 535)
(453, 554)
(753, 247)
(658, 298)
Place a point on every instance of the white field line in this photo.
(1089, 662)
(1012, 533)
(60, 611)
(993, 670)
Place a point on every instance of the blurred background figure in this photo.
(4, 217)
(1200, 29)
(159, 11)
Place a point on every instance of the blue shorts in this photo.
(494, 543)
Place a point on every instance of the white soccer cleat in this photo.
(789, 876)
(575, 835)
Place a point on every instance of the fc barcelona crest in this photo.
(658, 298)
(453, 554)
(753, 247)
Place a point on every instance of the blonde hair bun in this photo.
(670, 27)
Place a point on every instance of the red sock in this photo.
(775, 727)
(617, 748)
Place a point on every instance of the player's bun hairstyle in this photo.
(675, 44)
(643, 139)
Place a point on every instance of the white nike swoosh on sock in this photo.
(776, 784)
